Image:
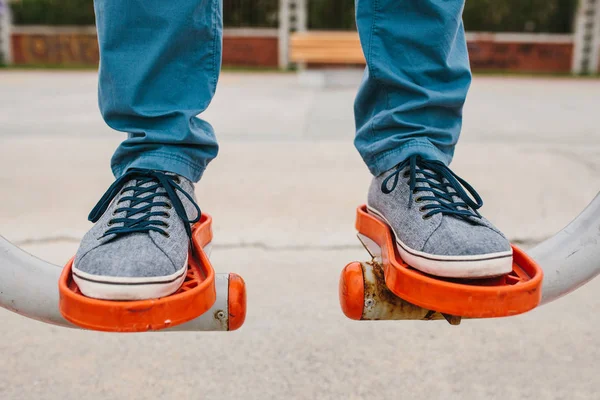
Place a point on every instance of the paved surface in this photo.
(283, 193)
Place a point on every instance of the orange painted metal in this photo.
(515, 293)
(196, 296)
(236, 301)
(352, 291)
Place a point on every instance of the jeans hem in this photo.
(389, 159)
(162, 161)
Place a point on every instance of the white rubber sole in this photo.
(122, 288)
(469, 267)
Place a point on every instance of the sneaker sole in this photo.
(471, 266)
(123, 288)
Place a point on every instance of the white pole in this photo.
(298, 21)
(595, 55)
(292, 18)
(586, 50)
(5, 29)
(301, 15)
(284, 33)
(572, 256)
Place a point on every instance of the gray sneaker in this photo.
(436, 223)
(138, 248)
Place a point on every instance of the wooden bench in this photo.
(326, 47)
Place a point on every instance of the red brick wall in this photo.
(250, 51)
(537, 57)
(74, 49)
(82, 49)
(257, 51)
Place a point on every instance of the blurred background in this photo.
(556, 36)
(283, 193)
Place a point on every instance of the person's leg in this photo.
(159, 65)
(416, 80)
(408, 118)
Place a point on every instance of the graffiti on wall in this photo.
(66, 49)
(250, 51)
(82, 49)
(540, 57)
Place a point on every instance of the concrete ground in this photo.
(283, 193)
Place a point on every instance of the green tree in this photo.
(553, 16)
(331, 14)
(250, 13)
(53, 12)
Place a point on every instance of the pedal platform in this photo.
(196, 295)
(511, 294)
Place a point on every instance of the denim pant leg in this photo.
(159, 65)
(415, 83)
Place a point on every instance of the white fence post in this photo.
(301, 10)
(292, 18)
(586, 50)
(5, 28)
(284, 33)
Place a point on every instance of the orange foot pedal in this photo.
(411, 294)
(194, 298)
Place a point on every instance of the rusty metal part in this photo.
(381, 304)
(452, 319)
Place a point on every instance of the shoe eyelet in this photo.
(426, 217)
(406, 174)
(418, 200)
(166, 234)
(110, 223)
(177, 180)
(168, 206)
(422, 208)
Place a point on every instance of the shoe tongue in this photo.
(436, 175)
(136, 183)
(185, 185)
(423, 170)
(420, 174)
(447, 188)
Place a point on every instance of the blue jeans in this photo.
(160, 62)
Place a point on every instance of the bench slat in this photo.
(326, 47)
